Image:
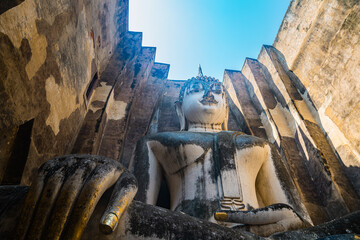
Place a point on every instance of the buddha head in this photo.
(202, 105)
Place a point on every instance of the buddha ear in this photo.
(180, 115)
(225, 123)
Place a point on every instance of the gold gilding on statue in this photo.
(221, 216)
(109, 223)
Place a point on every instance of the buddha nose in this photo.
(207, 93)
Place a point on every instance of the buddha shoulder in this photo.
(177, 139)
(242, 140)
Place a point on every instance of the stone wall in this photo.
(320, 43)
(75, 81)
(50, 52)
(266, 94)
(123, 101)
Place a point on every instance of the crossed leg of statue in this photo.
(42, 211)
(142, 221)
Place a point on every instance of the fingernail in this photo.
(109, 223)
(221, 216)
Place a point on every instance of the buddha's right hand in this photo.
(64, 195)
(265, 221)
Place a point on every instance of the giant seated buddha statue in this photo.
(224, 184)
(215, 174)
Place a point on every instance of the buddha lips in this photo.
(209, 101)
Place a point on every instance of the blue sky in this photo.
(218, 34)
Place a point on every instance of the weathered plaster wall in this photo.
(317, 149)
(49, 53)
(320, 42)
(123, 101)
(286, 134)
(143, 107)
(103, 106)
(236, 85)
(126, 91)
(274, 98)
(164, 118)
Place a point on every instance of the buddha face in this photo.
(205, 103)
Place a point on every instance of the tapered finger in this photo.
(261, 216)
(50, 192)
(67, 198)
(287, 224)
(32, 199)
(103, 177)
(47, 199)
(123, 193)
(28, 208)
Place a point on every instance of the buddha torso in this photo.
(203, 170)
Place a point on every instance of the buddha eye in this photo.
(196, 87)
(216, 88)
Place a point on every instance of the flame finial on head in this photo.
(200, 77)
(200, 74)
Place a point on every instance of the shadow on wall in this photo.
(16, 163)
(8, 4)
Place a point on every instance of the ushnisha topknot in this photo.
(202, 78)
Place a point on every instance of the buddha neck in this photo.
(205, 127)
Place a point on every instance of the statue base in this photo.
(143, 221)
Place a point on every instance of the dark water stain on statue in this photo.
(163, 224)
(25, 50)
(141, 168)
(198, 207)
